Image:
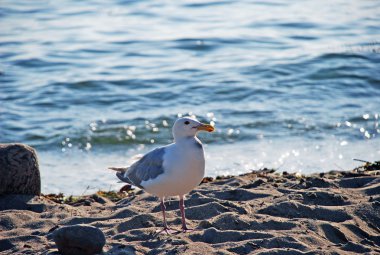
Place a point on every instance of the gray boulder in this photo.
(79, 240)
(19, 170)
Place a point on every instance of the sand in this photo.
(255, 213)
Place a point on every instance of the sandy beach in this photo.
(260, 212)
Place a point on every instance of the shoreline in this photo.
(261, 212)
(89, 168)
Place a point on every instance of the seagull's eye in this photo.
(187, 122)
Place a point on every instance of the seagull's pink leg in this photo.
(166, 229)
(182, 209)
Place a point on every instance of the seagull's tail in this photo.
(121, 174)
(119, 169)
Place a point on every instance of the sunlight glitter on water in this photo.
(288, 84)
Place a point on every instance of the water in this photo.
(293, 85)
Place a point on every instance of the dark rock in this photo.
(19, 170)
(79, 240)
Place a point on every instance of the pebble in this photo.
(79, 240)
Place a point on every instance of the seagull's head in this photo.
(189, 127)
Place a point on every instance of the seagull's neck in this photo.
(189, 142)
(185, 140)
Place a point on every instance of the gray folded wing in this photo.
(148, 167)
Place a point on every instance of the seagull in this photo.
(171, 170)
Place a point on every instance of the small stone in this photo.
(100, 200)
(79, 240)
(207, 180)
(19, 170)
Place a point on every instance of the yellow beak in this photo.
(205, 127)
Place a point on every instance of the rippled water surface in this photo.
(293, 85)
